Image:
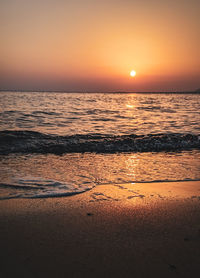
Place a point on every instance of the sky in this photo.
(92, 45)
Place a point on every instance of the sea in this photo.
(55, 144)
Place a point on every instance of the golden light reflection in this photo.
(131, 164)
(129, 105)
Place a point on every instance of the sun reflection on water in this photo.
(131, 164)
(129, 106)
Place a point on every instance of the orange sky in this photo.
(88, 45)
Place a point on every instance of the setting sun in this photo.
(133, 73)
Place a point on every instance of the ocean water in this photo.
(59, 144)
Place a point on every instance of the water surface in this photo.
(59, 144)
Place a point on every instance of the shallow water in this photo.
(52, 175)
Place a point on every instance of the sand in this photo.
(132, 230)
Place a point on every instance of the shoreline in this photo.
(123, 230)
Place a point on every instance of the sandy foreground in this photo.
(131, 230)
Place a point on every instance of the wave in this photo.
(39, 188)
(36, 142)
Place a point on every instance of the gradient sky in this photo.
(92, 45)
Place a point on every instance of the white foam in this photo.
(36, 187)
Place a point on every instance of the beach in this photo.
(99, 139)
(122, 230)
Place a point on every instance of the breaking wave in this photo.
(35, 142)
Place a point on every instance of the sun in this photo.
(133, 73)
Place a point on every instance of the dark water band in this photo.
(35, 142)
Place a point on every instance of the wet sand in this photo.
(132, 230)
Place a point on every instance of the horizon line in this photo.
(99, 92)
